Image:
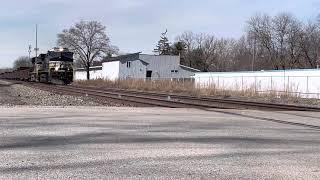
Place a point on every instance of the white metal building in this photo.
(139, 66)
(95, 73)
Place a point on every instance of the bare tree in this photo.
(310, 44)
(208, 46)
(278, 38)
(286, 31)
(294, 51)
(270, 42)
(260, 31)
(243, 53)
(225, 53)
(89, 42)
(189, 40)
(22, 61)
(206, 52)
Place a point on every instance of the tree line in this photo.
(269, 42)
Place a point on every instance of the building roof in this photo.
(91, 68)
(96, 63)
(125, 58)
(189, 68)
(261, 71)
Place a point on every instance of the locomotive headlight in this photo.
(57, 68)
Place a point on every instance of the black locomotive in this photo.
(54, 67)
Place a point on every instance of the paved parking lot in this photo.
(150, 143)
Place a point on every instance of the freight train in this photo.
(54, 67)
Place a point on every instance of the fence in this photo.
(297, 86)
(300, 86)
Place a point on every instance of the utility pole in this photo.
(36, 49)
(30, 47)
(254, 54)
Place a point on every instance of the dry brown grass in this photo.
(144, 85)
(182, 87)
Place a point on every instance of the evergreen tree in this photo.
(163, 47)
(178, 48)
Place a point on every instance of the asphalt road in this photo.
(144, 143)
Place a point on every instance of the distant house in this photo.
(141, 66)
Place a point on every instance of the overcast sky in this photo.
(133, 25)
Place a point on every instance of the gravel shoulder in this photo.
(12, 94)
(32, 96)
(6, 96)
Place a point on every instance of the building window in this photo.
(129, 64)
(174, 71)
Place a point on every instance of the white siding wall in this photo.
(82, 75)
(161, 66)
(111, 70)
(186, 73)
(305, 83)
(137, 70)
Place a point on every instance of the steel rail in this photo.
(151, 101)
(227, 103)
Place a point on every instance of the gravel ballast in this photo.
(6, 96)
(32, 96)
(16, 94)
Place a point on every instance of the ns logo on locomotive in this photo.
(54, 67)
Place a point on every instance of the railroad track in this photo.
(139, 100)
(175, 101)
(216, 102)
(142, 98)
